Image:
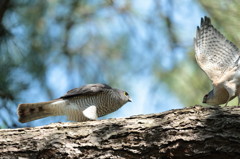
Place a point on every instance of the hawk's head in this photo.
(216, 99)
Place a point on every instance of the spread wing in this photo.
(213, 52)
(86, 90)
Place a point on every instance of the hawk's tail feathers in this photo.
(33, 111)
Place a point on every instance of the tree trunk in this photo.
(194, 132)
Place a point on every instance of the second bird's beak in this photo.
(129, 99)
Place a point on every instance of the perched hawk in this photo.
(219, 59)
(80, 104)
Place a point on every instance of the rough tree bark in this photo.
(194, 132)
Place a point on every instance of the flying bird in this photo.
(80, 104)
(219, 59)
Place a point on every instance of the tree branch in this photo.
(194, 132)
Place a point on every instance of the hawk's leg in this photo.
(238, 99)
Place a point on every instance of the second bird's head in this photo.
(212, 99)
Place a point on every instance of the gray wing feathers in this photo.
(89, 89)
(214, 53)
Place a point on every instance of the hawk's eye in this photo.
(125, 93)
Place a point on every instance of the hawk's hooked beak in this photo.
(129, 99)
